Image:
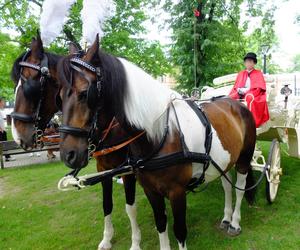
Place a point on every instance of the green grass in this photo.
(35, 215)
(9, 133)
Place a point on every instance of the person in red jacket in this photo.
(251, 86)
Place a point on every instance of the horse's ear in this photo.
(38, 35)
(36, 47)
(93, 50)
(73, 49)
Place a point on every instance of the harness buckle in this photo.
(99, 86)
(45, 71)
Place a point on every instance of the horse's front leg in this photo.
(158, 205)
(226, 221)
(178, 203)
(235, 228)
(108, 232)
(130, 187)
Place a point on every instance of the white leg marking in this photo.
(228, 198)
(181, 247)
(107, 234)
(164, 240)
(236, 217)
(136, 233)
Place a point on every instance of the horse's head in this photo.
(87, 102)
(34, 75)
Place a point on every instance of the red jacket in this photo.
(258, 106)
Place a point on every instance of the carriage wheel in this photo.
(273, 172)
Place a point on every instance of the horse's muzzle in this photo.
(75, 159)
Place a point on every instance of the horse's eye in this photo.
(82, 95)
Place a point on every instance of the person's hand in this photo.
(242, 91)
(1, 130)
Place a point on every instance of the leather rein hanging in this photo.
(154, 161)
(43, 69)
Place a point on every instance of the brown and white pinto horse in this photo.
(101, 85)
(24, 131)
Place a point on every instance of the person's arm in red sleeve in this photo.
(238, 82)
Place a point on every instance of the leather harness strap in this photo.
(117, 147)
(110, 127)
(156, 161)
(51, 139)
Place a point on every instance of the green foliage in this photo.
(8, 53)
(296, 64)
(217, 37)
(123, 38)
(123, 35)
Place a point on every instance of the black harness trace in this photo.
(153, 161)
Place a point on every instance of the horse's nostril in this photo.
(71, 157)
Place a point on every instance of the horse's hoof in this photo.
(104, 246)
(232, 231)
(135, 248)
(224, 225)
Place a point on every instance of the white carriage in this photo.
(283, 126)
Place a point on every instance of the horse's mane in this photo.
(133, 95)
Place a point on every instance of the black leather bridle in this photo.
(75, 64)
(43, 69)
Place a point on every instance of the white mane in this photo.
(146, 101)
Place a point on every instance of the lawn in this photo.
(35, 215)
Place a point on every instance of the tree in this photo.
(8, 53)
(123, 32)
(296, 64)
(264, 34)
(216, 35)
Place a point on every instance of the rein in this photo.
(117, 147)
(154, 161)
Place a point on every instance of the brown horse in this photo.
(27, 78)
(34, 74)
(100, 85)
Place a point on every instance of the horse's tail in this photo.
(250, 181)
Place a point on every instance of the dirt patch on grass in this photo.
(5, 188)
(2, 186)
